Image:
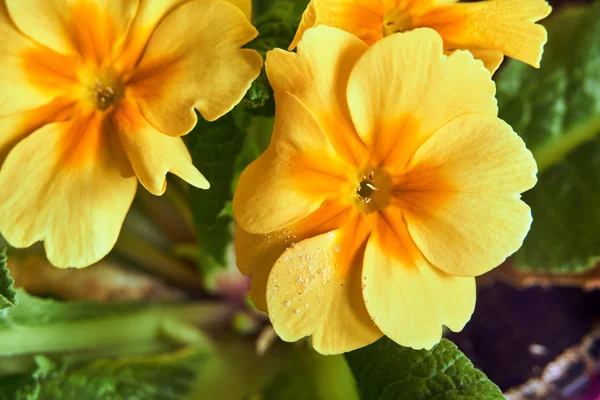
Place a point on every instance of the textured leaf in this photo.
(8, 296)
(557, 111)
(276, 22)
(386, 371)
(158, 377)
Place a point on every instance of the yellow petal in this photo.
(461, 194)
(93, 28)
(16, 127)
(317, 75)
(491, 58)
(244, 5)
(363, 18)
(150, 13)
(256, 254)
(152, 153)
(309, 20)
(504, 25)
(293, 177)
(410, 300)
(78, 189)
(404, 88)
(194, 60)
(310, 292)
(15, 78)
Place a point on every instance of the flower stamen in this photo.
(105, 96)
(372, 190)
(396, 21)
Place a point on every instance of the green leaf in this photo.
(214, 147)
(156, 377)
(386, 371)
(41, 326)
(557, 112)
(313, 377)
(8, 296)
(276, 22)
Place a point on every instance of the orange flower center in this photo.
(372, 190)
(104, 89)
(395, 21)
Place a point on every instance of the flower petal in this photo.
(317, 75)
(256, 254)
(363, 18)
(293, 177)
(16, 127)
(79, 188)
(504, 25)
(404, 88)
(491, 58)
(152, 154)
(149, 15)
(194, 60)
(407, 297)
(310, 292)
(309, 20)
(461, 194)
(15, 77)
(90, 28)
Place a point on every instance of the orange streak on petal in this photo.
(394, 237)
(395, 142)
(354, 233)
(84, 140)
(17, 127)
(150, 81)
(317, 173)
(422, 190)
(50, 71)
(93, 32)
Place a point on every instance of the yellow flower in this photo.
(487, 28)
(95, 96)
(389, 184)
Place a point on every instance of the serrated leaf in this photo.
(214, 147)
(387, 371)
(557, 112)
(8, 296)
(156, 377)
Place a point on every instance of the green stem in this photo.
(555, 150)
(180, 202)
(153, 259)
(146, 330)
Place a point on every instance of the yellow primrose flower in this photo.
(95, 96)
(389, 184)
(487, 28)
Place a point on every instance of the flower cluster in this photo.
(389, 183)
(96, 96)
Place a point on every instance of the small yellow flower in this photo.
(389, 184)
(487, 28)
(95, 96)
